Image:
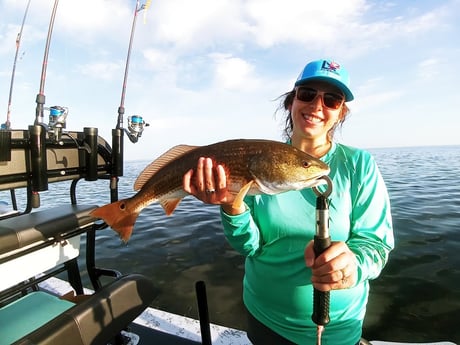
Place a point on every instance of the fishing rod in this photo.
(121, 108)
(41, 93)
(7, 124)
(135, 123)
(37, 132)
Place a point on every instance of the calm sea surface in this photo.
(416, 298)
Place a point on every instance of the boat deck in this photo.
(156, 326)
(148, 336)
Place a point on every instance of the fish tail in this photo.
(119, 216)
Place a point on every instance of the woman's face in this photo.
(316, 108)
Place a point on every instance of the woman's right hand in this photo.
(209, 184)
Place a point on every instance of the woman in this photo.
(275, 232)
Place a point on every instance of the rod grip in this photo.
(321, 299)
(320, 244)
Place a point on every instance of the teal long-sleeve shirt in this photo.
(275, 230)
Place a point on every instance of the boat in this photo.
(42, 297)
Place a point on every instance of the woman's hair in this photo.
(286, 101)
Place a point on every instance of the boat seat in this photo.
(96, 320)
(42, 226)
(17, 319)
(34, 243)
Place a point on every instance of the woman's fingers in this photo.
(208, 173)
(335, 268)
(207, 182)
(187, 182)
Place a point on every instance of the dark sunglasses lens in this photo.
(332, 100)
(305, 94)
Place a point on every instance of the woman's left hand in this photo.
(335, 268)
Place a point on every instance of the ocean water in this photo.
(416, 298)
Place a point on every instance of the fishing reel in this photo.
(57, 122)
(136, 125)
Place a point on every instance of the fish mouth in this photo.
(319, 180)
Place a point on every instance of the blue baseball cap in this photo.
(328, 71)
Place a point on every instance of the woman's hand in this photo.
(336, 268)
(209, 184)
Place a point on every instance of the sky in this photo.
(209, 70)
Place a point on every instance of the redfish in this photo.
(252, 167)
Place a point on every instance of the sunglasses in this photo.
(330, 99)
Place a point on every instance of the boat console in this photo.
(42, 241)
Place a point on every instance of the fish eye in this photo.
(305, 164)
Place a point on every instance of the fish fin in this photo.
(241, 194)
(119, 217)
(160, 162)
(169, 205)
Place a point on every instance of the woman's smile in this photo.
(313, 119)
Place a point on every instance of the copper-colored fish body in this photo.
(264, 166)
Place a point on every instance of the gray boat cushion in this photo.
(24, 230)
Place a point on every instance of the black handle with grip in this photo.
(200, 289)
(322, 241)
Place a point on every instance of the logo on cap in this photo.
(330, 66)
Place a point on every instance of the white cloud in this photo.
(158, 60)
(428, 68)
(195, 24)
(88, 20)
(233, 73)
(312, 22)
(101, 70)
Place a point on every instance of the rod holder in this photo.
(5, 144)
(117, 152)
(91, 154)
(38, 158)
